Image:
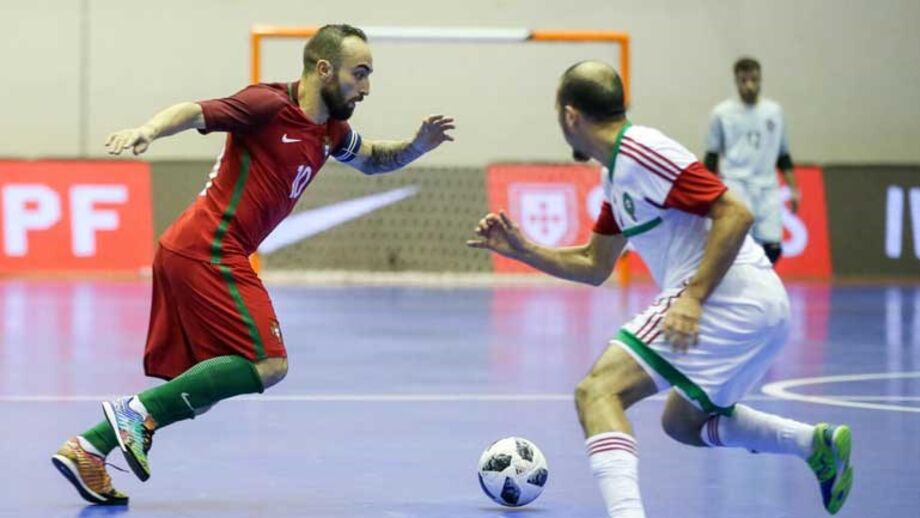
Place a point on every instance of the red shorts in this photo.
(202, 310)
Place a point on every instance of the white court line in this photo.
(321, 398)
(419, 398)
(779, 390)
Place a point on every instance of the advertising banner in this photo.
(806, 250)
(874, 214)
(75, 216)
(557, 205)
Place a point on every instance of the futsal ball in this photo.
(513, 471)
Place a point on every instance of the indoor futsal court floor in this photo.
(393, 393)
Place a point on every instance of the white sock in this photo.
(88, 446)
(136, 405)
(615, 464)
(759, 432)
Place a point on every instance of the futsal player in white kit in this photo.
(745, 145)
(719, 321)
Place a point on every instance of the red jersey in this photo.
(271, 154)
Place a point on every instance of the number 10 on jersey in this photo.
(304, 173)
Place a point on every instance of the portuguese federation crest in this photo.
(276, 331)
(547, 212)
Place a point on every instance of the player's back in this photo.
(750, 139)
(660, 211)
(271, 153)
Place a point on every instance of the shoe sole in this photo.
(843, 445)
(132, 461)
(70, 472)
(841, 491)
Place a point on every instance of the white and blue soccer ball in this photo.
(513, 471)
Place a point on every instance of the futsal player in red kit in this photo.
(213, 333)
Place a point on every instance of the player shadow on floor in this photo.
(506, 512)
(102, 510)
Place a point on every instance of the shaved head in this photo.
(594, 88)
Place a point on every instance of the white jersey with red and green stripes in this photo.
(660, 195)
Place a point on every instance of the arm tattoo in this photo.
(389, 156)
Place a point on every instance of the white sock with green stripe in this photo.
(759, 432)
(615, 465)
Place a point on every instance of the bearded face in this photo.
(339, 107)
(748, 83)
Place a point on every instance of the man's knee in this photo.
(585, 391)
(597, 386)
(272, 370)
(680, 429)
(682, 421)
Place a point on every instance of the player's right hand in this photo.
(135, 139)
(681, 325)
(496, 232)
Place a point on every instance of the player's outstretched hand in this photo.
(433, 132)
(498, 233)
(682, 323)
(135, 139)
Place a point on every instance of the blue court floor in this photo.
(394, 392)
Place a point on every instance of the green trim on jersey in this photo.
(674, 376)
(643, 228)
(291, 92)
(244, 311)
(616, 149)
(217, 243)
(230, 211)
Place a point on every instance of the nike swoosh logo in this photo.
(313, 221)
(184, 397)
(286, 140)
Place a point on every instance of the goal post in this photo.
(259, 33)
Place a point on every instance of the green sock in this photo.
(101, 437)
(201, 386)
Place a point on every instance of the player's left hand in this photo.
(681, 325)
(794, 199)
(433, 132)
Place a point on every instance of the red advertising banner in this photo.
(806, 248)
(556, 205)
(75, 216)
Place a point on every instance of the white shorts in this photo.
(744, 325)
(765, 204)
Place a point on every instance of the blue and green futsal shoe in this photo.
(134, 437)
(830, 460)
